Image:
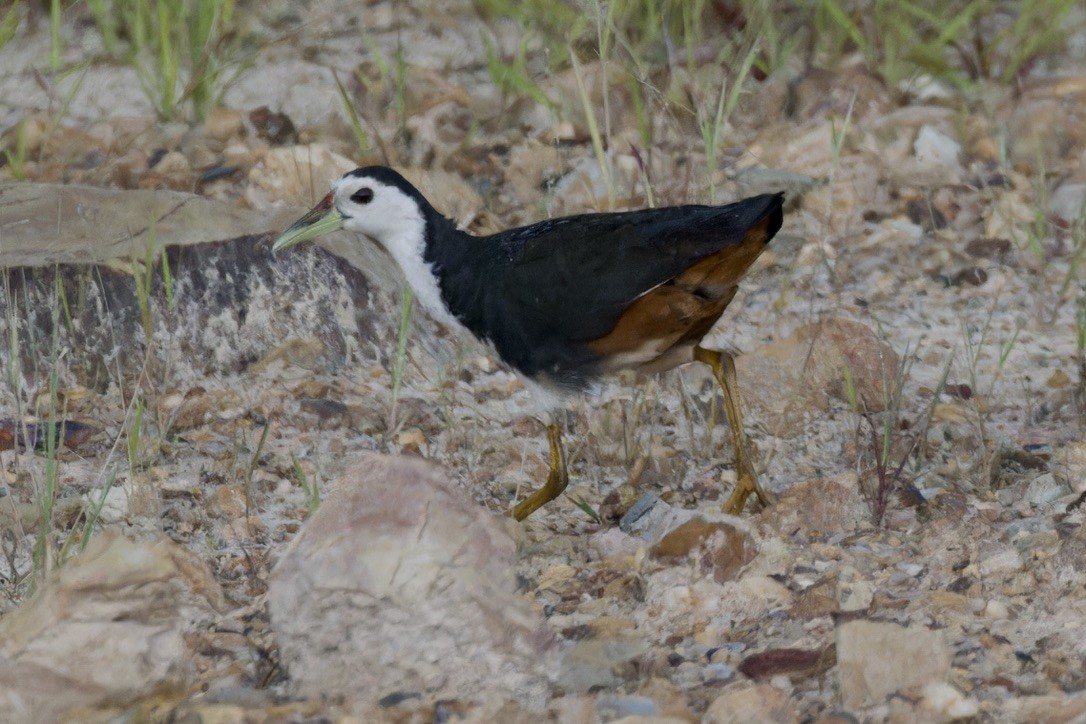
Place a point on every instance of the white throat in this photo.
(394, 220)
(407, 247)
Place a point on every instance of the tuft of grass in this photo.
(135, 434)
(881, 474)
(587, 509)
(181, 49)
(251, 468)
(713, 125)
(56, 42)
(960, 42)
(9, 25)
(16, 156)
(1080, 356)
(44, 547)
(512, 76)
(361, 138)
(309, 487)
(598, 147)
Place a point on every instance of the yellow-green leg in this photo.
(723, 367)
(557, 479)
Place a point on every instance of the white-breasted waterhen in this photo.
(567, 300)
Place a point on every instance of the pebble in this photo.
(1045, 489)
(933, 148)
(995, 609)
(718, 672)
(620, 706)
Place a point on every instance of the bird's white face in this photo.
(366, 206)
(384, 213)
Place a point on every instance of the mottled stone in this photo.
(399, 582)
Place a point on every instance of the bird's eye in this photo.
(363, 195)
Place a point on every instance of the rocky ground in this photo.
(221, 536)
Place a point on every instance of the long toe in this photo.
(746, 486)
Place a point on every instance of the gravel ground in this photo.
(937, 255)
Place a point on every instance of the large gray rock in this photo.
(401, 584)
(109, 628)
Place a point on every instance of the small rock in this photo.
(819, 508)
(1045, 708)
(998, 610)
(933, 148)
(988, 248)
(1068, 201)
(411, 440)
(1071, 461)
(717, 672)
(876, 659)
(172, 163)
(325, 410)
(275, 128)
(999, 560)
(744, 702)
(620, 706)
(592, 663)
(856, 595)
(580, 709)
(1058, 380)
(228, 501)
(972, 276)
(797, 664)
(1045, 488)
(399, 560)
(224, 123)
(720, 547)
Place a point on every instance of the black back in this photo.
(541, 292)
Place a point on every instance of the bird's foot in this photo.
(746, 486)
(557, 478)
(723, 367)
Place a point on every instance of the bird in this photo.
(567, 301)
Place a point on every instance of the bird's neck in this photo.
(423, 253)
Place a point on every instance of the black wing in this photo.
(545, 290)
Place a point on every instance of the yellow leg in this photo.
(723, 367)
(557, 479)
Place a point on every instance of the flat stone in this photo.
(592, 663)
(744, 702)
(876, 659)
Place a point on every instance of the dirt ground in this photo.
(932, 246)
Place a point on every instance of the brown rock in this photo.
(798, 664)
(400, 583)
(744, 702)
(802, 372)
(110, 627)
(820, 508)
(720, 547)
(876, 659)
(224, 123)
